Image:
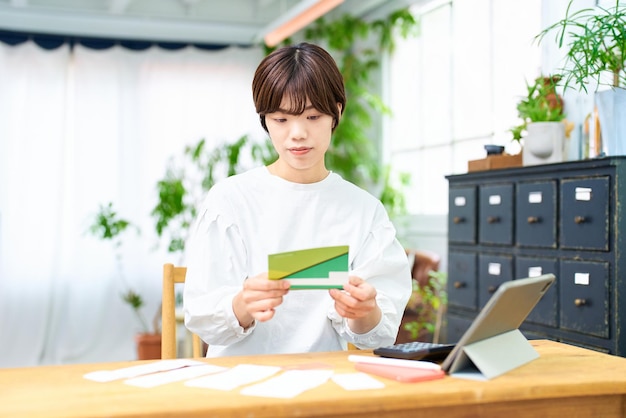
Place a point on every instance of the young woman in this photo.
(292, 204)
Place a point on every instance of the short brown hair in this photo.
(300, 72)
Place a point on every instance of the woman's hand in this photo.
(357, 303)
(258, 299)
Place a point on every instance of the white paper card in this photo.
(357, 381)
(157, 379)
(143, 369)
(239, 375)
(289, 384)
(417, 364)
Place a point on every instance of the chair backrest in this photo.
(171, 276)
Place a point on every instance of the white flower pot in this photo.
(544, 143)
(611, 106)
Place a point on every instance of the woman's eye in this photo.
(314, 117)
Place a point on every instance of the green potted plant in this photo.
(541, 127)
(541, 104)
(109, 226)
(424, 313)
(595, 40)
(186, 182)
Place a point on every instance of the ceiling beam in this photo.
(296, 18)
(125, 27)
(118, 6)
(117, 22)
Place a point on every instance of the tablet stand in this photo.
(491, 357)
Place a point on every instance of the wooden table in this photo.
(565, 382)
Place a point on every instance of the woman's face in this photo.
(301, 142)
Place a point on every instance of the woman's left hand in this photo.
(357, 303)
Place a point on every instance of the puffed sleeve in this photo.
(216, 269)
(382, 261)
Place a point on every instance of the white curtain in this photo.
(80, 128)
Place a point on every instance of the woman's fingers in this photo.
(261, 296)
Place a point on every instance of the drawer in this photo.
(535, 215)
(462, 215)
(493, 270)
(462, 279)
(456, 327)
(546, 310)
(584, 288)
(585, 213)
(495, 208)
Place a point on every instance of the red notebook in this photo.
(401, 374)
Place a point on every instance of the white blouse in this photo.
(248, 216)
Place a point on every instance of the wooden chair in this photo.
(171, 276)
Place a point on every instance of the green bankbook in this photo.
(313, 268)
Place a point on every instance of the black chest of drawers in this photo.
(564, 218)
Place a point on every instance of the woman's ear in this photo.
(338, 118)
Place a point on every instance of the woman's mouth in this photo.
(299, 150)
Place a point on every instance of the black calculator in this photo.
(415, 350)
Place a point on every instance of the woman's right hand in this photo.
(258, 299)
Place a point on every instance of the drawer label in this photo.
(581, 278)
(535, 271)
(583, 193)
(494, 269)
(495, 199)
(535, 197)
(459, 201)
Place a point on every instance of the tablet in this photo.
(505, 311)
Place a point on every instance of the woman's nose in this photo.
(298, 130)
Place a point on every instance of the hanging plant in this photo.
(359, 45)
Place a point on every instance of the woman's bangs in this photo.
(298, 97)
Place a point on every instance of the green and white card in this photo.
(313, 268)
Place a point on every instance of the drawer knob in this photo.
(533, 219)
(458, 219)
(459, 285)
(492, 289)
(580, 219)
(493, 219)
(580, 302)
